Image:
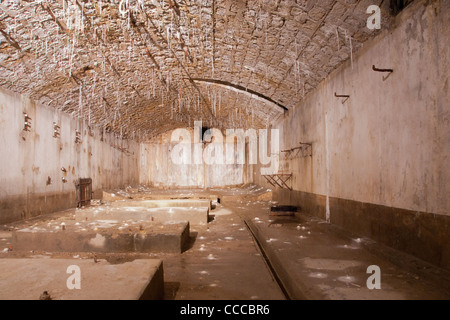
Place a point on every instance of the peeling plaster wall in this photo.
(29, 158)
(388, 146)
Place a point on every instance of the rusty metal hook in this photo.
(27, 122)
(342, 96)
(390, 71)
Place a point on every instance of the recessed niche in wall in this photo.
(203, 132)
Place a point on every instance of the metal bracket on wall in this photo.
(390, 71)
(280, 180)
(78, 137)
(346, 96)
(56, 130)
(27, 122)
(303, 151)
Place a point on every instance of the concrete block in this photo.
(167, 194)
(111, 196)
(148, 238)
(172, 203)
(195, 216)
(260, 196)
(27, 279)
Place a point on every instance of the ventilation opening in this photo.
(204, 130)
(397, 6)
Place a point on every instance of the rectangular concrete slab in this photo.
(106, 238)
(188, 195)
(195, 216)
(27, 279)
(5, 234)
(264, 195)
(163, 203)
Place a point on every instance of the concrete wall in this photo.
(157, 168)
(380, 164)
(29, 158)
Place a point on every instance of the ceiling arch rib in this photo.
(238, 88)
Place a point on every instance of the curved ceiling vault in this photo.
(144, 67)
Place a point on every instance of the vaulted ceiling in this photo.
(144, 67)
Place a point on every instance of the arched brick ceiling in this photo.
(144, 67)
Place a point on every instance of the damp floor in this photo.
(311, 259)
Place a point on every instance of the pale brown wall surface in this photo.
(389, 144)
(157, 168)
(381, 158)
(29, 158)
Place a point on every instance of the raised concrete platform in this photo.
(317, 261)
(179, 203)
(106, 236)
(163, 203)
(155, 194)
(249, 193)
(195, 216)
(27, 279)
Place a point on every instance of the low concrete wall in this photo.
(19, 207)
(420, 234)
